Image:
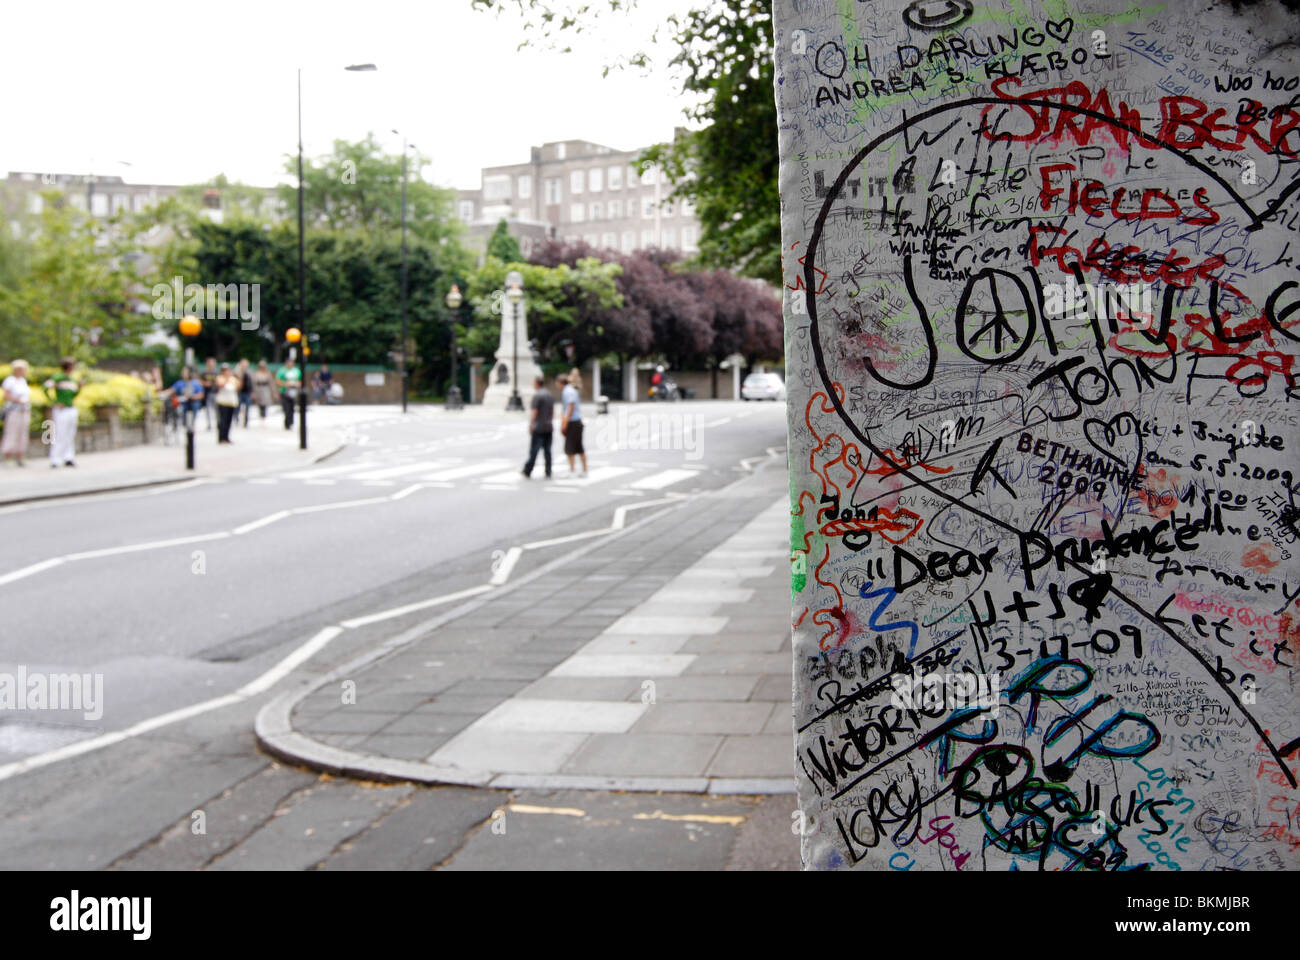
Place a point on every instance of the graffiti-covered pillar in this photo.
(1042, 270)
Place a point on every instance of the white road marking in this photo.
(599, 475)
(502, 572)
(282, 669)
(412, 607)
(387, 473)
(340, 505)
(328, 471)
(473, 470)
(151, 545)
(265, 521)
(29, 571)
(658, 481)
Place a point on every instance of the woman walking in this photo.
(262, 381)
(17, 412)
(227, 383)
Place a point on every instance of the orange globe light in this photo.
(306, 350)
(293, 334)
(190, 326)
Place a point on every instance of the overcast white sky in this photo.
(184, 91)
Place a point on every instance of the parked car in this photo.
(762, 386)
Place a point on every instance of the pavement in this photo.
(263, 445)
(657, 658)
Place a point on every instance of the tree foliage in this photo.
(358, 186)
(67, 282)
(503, 246)
(728, 167)
(688, 317)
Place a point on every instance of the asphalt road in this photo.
(188, 593)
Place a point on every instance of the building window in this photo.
(650, 177)
(139, 202)
(668, 209)
(616, 178)
(609, 241)
(525, 187)
(670, 238)
(589, 239)
(576, 213)
(647, 208)
(688, 208)
(576, 180)
(629, 241)
(688, 239)
(35, 203)
(552, 191)
(631, 176)
(467, 210)
(99, 204)
(559, 151)
(597, 212)
(615, 209)
(647, 238)
(596, 180)
(496, 188)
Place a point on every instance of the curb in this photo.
(145, 484)
(277, 737)
(275, 734)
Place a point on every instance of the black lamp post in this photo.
(454, 300)
(404, 376)
(302, 269)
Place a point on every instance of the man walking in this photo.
(289, 380)
(63, 445)
(571, 419)
(209, 378)
(540, 427)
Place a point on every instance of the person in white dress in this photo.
(17, 412)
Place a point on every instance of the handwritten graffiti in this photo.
(1043, 423)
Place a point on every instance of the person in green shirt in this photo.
(289, 379)
(63, 445)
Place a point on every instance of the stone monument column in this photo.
(513, 350)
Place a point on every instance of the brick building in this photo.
(578, 190)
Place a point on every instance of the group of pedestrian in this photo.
(541, 423)
(232, 392)
(62, 389)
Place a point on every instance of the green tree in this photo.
(359, 186)
(563, 303)
(729, 168)
(503, 246)
(68, 288)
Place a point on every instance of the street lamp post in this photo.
(302, 274)
(515, 294)
(454, 300)
(302, 269)
(404, 331)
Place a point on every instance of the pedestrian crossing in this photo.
(490, 474)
